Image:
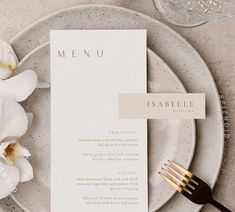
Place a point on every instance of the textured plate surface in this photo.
(174, 50)
(166, 137)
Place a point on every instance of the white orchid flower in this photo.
(23, 82)
(14, 122)
(18, 87)
(14, 166)
(8, 60)
(13, 153)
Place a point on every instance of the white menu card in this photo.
(99, 162)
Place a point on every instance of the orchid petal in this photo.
(21, 151)
(13, 119)
(26, 170)
(8, 60)
(20, 86)
(9, 178)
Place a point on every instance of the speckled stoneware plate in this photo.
(166, 137)
(174, 50)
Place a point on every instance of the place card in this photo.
(99, 162)
(162, 106)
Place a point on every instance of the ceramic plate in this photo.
(165, 136)
(174, 50)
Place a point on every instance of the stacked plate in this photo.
(173, 66)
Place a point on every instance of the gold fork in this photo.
(189, 185)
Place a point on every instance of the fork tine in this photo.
(173, 184)
(177, 173)
(183, 170)
(175, 178)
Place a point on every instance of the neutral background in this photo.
(214, 41)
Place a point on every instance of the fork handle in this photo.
(219, 206)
